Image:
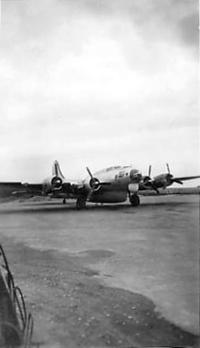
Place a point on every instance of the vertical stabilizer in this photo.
(56, 171)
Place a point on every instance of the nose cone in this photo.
(135, 176)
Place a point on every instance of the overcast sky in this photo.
(98, 83)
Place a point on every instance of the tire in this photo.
(80, 203)
(134, 200)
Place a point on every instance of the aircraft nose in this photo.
(135, 176)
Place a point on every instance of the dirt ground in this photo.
(72, 282)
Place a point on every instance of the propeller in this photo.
(168, 169)
(56, 182)
(149, 182)
(149, 172)
(147, 178)
(179, 180)
(95, 183)
(171, 178)
(135, 176)
(165, 179)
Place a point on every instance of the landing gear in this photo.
(81, 202)
(64, 201)
(134, 200)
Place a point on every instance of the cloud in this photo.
(96, 82)
(161, 20)
(189, 31)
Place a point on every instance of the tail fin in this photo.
(56, 171)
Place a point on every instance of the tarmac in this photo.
(110, 275)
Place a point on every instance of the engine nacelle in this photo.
(95, 184)
(56, 183)
(135, 176)
(163, 180)
(146, 179)
(52, 184)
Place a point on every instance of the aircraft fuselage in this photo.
(119, 182)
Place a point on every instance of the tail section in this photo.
(56, 171)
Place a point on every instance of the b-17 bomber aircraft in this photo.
(110, 185)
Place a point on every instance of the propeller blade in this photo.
(149, 173)
(95, 184)
(89, 172)
(168, 168)
(178, 181)
(154, 187)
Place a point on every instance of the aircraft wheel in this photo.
(134, 200)
(81, 203)
(64, 201)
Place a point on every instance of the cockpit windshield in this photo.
(111, 168)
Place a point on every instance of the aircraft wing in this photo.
(8, 187)
(10, 184)
(149, 186)
(19, 189)
(33, 189)
(67, 190)
(186, 178)
(143, 186)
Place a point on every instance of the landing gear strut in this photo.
(134, 199)
(81, 202)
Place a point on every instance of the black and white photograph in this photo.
(99, 174)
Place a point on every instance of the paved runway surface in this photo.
(151, 250)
